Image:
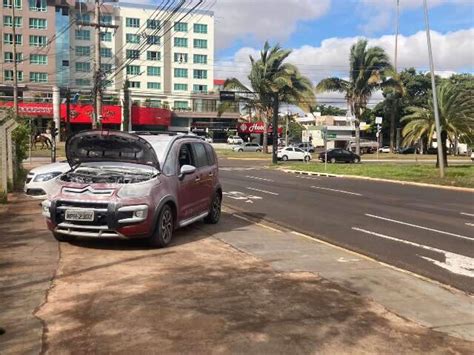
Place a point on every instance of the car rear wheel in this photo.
(240, 150)
(284, 158)
(258, 150)
(356, 160)
(62, 237)
(333, 160)
(215, 210)
(164, 228)
(307, 158)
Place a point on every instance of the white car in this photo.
(472, 157)
(38, 179)
(293, 153)
(385, 149)
(235, 140)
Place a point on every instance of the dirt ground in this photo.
(203, 296)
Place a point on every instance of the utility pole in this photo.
(97, 89)
(276, 106)
(126, 107)
(435, 96)
(393, 94)
(15, 64)
(68, 113)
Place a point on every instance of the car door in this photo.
(188, 185)
(205, 179)
(299, 154)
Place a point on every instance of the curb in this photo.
(400, 182)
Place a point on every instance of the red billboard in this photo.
(255, 127)
(32, 109)
(150, 116)
(111, 114)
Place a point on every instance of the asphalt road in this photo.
(425, 230)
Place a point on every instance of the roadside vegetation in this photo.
(456, 175)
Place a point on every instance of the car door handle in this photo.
(197, 179)
(211, 174)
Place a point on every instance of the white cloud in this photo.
(263, 19)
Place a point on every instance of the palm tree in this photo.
(456, 114)
(370, 70)
(273, 81)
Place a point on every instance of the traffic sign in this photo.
(378, 120)
(227, 95)
(331, 135)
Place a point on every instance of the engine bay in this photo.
(106, 176)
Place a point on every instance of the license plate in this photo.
(79, 215)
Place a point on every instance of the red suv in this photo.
(130, 186)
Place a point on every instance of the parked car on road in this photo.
(408, 150)
(384, 149)
(235, 140)
(38, 180)
(248, 147)
(293, 153)
(366, 146)
(339, 155)
(306, 146)
(129, 186)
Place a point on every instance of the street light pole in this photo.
(435, 98)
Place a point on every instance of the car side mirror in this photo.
(186, 170)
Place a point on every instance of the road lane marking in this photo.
(455, 263)
(263, 191)
(467, 214)
(334, 190)
(237, 195)
(306, 178)
(470, 224)
(420, 227)
(258, 178)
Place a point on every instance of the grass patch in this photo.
(46, 153)
(457, 175)
(411, 157)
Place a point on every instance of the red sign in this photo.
(150, 116)
(255, 127)
(32, 109)
(111, 114)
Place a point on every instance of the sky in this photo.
(320, 33)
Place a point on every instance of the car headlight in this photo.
(45, 205)
(134, 190)
(46, 176)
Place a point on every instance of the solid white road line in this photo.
(467, 214)
(264, 191)
(334, 190)
(306, 178)
(420, 227)
(258, 178)
(458, 264)
(470, 224)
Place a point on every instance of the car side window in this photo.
(201, 155)
(169, 167)
(298, 150)
(210, 154)
(185, 155)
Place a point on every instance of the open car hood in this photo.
(111, 146)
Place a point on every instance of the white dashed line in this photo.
(467, 214)
(470, 224)
(305, 177)
(263, 191)
(258, 178)
(420, 227)
(334, 190)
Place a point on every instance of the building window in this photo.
(181, 27)
(132, 38)
(200, 28)
(38, 77)
(106, 19)
(200, 59)
(180, 42)
(200, 43)
(38, 41)
(40, 59)
(8, 38)
(134, 84)
(83, 17)
(180, 87)
(83, 82)
(132, 54)
(180, 73)
(133, 70)
(152, 55)
(153, 71)
(8, 21)
(106, 53)
(153, 85)
(153, 39)
(83, 67)
(153, 24)
(106, 36)
(106, 68)
(83, 51)
(181, 105)
(180, 58)
(38, 5)
(83, 35)
(38, 23)
(132, 22)
(8, 57)
(9, 4)
(8, 75)
(199, 74)
(199, 88)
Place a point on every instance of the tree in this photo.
(329, 110)
(369, 70)
(456, 115)
(273, 81)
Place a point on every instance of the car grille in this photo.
(88, 191)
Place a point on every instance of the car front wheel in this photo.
(164, 228)
(240, 150)
(333, 160)
(214, 211)
(307, 158)
(284, 158)
(356, 160)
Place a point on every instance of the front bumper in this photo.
(110, 219)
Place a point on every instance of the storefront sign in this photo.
(150, 116)
(255, 127)
(32, 109)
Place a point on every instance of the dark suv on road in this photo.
(130, 186)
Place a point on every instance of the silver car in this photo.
(248, 147)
